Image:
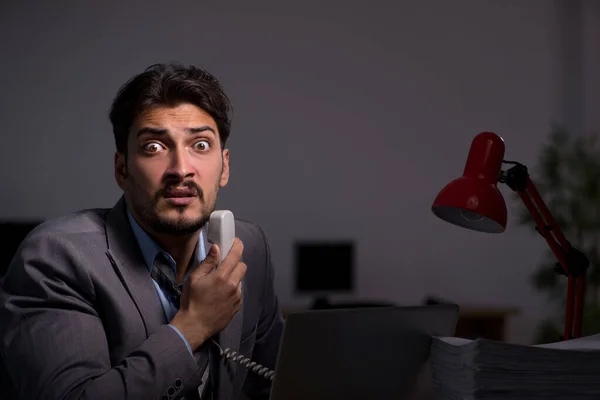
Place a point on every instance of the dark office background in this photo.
(350, 117)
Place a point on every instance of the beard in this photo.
(149, 211)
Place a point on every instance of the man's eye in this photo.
(202, 145)
(152, 147)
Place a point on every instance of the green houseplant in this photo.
(568, 178)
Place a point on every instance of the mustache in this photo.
(189, 186)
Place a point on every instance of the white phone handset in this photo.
(221, 230)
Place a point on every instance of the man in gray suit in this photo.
(131, 302)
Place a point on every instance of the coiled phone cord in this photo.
(245, 362)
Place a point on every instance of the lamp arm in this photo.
(572, 262)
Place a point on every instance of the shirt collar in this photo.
(150, 249)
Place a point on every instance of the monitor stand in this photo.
(321, 303)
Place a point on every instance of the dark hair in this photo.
(169, 85)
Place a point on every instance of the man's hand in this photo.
(210, 298)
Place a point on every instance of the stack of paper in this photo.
(483, 369)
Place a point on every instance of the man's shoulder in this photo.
(61, 243)
(248, 229)
(75, 224)
(254, 239)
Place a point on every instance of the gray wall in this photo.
(350, 118)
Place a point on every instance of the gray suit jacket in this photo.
(81, 319)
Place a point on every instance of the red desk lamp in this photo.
(473, 201)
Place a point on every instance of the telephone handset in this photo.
(221, 231)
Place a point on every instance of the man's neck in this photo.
(181, 248)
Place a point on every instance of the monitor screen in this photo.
(13, 234)
(324, 266)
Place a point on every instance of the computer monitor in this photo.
(324, 267)
(13, 233)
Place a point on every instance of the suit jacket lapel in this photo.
(128, 262)
(228, 338)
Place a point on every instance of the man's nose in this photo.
(180, 164)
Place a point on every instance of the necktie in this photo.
(164, 275)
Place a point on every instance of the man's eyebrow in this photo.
(151, 131)
(161, 131)
(201, 129)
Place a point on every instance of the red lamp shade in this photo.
(473, 201)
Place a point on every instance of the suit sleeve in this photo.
(53, 343)
(268, 333)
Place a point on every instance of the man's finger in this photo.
(232, 259)
(210, 261)
(238, 272)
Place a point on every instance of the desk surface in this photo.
(474, 311)
(468, 311)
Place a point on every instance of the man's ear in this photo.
(120, 169)
(225, 169)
